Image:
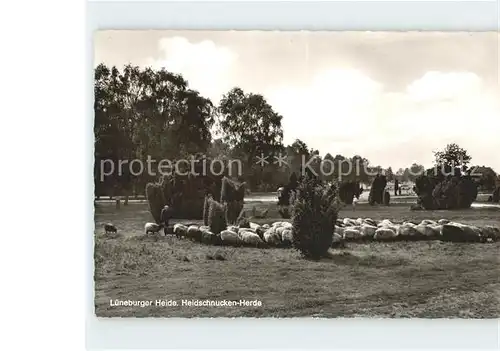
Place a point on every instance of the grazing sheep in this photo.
(254, 225)
(457, 232)
(359, 221)
(352, 234)
(209, 238)
(279, 231)
(370, 221)
(109, 228)
(368, 231)
(287, 237)
(384, 234)
(204, 228)
(265, 226)
(443, 221)
(339, 223)
(229, 237)
(408, 231)
(250, 238)
(385, 223)
(491, 232)
(152, 228)
(271, 237)
(194, 233)
(349, 222)
(437, 230)
(338, 241)
(340, 231)
(426, 231)
(428, 221)
(180, 230)
(233, 228)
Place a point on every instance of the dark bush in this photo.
(184, 194)
(315, 213)
(155, 199)
(377, 190)
(387, 198)
(216, 216)
(232, 195)
(495, 197)
(445, 189)
(348, 190)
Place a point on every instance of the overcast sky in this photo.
(390, 97)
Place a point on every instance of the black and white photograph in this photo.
(289, 174)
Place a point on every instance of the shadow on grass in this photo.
(369, 260)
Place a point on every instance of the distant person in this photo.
(354, 203)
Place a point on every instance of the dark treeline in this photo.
(141, 113)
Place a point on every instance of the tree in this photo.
(414, 171)
(315, 213)
(453, 156)
(487, 177)
(145, 112)
(250, 124)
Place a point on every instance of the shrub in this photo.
(377, 190)
(216, 216)
(232, 195)
(386, 199)
(495, 197)
(348, 190)
(155, 199)
(184, 194)
(436, 191)
(315, 213)
(205, 209)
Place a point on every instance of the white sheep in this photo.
(271, 237)
(368, 230)
(425, 230)
(352, 234)
(229, 237)
(151, 228)
(287, 236)
(109, 228)
(250, 238)
(384, 234)
(180, 230)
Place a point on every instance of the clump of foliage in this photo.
(449, 184)
(377, 190)
(185, 194)
(348, 190)
(216, 216)
(287, 196)
(315, 213)
(155, 199)
(232, 196)
(437, 190)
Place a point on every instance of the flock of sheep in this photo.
(280, 234)
(367, 229)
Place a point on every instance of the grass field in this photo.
(400, 279)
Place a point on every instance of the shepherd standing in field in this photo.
(354, 203)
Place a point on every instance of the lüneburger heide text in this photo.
(186, 303)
